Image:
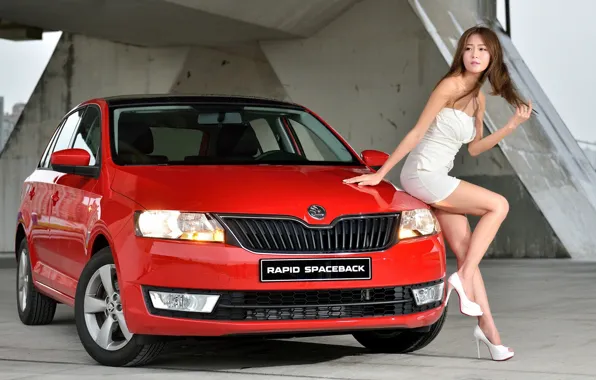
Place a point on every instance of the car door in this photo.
(37, 210)
(77, 203)
(52, 258)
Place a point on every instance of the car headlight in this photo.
(178, 225)
(416, 223)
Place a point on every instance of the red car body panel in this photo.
(183, 266)
(64, 216)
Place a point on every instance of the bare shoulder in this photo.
(449, 86)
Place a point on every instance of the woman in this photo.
(454, 116)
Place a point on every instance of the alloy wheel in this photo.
(103, 310)
(23, 279)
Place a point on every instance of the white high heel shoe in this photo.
(466, 306)
(497, 352)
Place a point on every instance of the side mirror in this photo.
(73, 161)
(374, 158)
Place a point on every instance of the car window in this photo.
(174, 144)
(222, 135)
(45, 158)
(89, 133)
(70, 125)
(266, 136)
(311, 144)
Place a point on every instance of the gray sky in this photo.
(21, 65)
(555, 39)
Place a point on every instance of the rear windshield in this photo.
(200, 135)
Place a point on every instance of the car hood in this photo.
(259, 190)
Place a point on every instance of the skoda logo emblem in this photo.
(316, 211)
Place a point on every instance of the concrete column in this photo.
(235, 70)
(369, 73)
(80, 68)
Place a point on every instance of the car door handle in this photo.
(55, 198)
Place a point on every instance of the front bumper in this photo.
(249, 306)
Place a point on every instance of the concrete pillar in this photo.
(235, 70)
(369, 73)
(80, 68)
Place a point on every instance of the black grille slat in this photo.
(304, 235)
(286, 235)
(243, 230)
(297, 235)
(268, 227)
(322, 248)
(311, 235)
(351, 222)
(382, 222)
(387, 234)
(342, 225)
(259, 245)
(358, 224)
(306, 304)
(372, 236)
(280, 234)
(262, 232)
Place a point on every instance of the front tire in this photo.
(34, 308)
(400, 342)
(100, 321)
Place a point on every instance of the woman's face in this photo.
(476, 55)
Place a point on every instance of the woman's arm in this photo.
(480, 145)
(438, 99)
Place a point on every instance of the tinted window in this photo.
(192, 135)
(313, 145)
(89, 133)
(70, 125)
(174, 144)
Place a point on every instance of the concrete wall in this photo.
(369, 73)
(80, 68)
(526, 232)
(239, 70)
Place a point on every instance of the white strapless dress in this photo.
(425, 174)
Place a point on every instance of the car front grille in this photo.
(287, 235)
(306, 304)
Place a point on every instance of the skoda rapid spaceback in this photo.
(175, 216)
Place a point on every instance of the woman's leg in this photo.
(457, 233)
(492, 207)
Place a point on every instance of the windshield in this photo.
(199, 135)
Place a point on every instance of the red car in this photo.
(160, 216)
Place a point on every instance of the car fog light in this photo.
(195, 303)
(429, 294)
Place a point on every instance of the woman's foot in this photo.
(466, 306)
(498, 352)
(491, 333)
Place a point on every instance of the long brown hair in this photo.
(496, 72)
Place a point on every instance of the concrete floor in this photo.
(546, 310)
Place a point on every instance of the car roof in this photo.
(191, 98)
